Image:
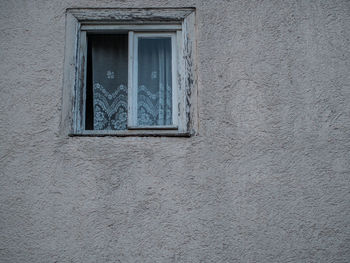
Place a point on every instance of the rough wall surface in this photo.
(266, 179)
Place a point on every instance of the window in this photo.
(131, 72)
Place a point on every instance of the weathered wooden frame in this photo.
(80, 21)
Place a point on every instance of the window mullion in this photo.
(131, 95)
(135, 82)
(174, 79)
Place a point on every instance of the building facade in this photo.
(263, 177)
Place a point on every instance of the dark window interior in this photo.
(107, 67)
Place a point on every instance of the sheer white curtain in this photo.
(154, 97)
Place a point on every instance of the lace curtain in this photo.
(109, 78)
(154, 98)
(109, 65)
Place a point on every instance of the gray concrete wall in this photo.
(265, 180)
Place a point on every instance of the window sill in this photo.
(138, 132)
(153, 127)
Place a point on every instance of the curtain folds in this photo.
(154, 98)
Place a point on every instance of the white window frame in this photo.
(133, 80)
(178, 23)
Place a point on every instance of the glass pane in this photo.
(154, 95)
(109, 59)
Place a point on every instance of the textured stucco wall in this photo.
(265, 180)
